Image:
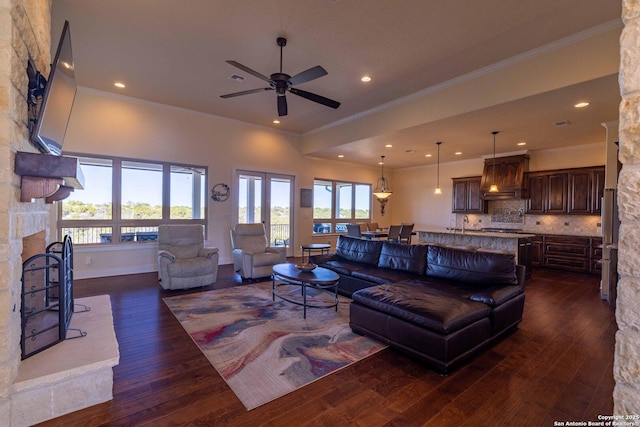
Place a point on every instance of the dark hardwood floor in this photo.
(556, 366)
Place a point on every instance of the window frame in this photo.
(116, 223)
(334, 220)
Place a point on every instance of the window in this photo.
(125, 200)
(337, 203)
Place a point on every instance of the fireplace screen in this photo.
(47, 297)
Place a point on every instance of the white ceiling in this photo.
(174, 52)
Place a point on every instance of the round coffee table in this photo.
(323, 248)
(321, 279)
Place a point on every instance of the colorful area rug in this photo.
(265, 349)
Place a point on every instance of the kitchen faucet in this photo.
(465, 220)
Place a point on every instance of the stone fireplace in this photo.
(29, 389)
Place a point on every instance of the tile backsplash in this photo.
(511, 214)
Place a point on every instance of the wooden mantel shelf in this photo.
(47, 176)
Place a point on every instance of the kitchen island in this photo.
(481, 240)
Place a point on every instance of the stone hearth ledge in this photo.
(71, 375)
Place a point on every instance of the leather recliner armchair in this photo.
(252, 255)
(183, 260)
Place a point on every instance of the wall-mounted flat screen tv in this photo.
(57, 101)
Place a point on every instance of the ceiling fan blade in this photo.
(249, 70)
(245, 92)
(308, 75)
(315, 98)
(282, 105)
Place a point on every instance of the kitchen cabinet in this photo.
(466, 196)
(547, 193)
(586, 186)
(571, 191)
(596, 255)
(598, 189)
(525, 254)
(537, 250)
(572, 253)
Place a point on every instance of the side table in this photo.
(323, 248)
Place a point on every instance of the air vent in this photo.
(562, 123)
(237, 78)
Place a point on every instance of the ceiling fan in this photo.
(281, 83)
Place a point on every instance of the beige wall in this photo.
(113, 125)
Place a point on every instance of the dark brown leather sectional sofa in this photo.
(438, 304)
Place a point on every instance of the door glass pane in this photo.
(95, 201)
(363, 201)
(322, 195)
(280, 212)
(141, 190)
(343, 201)
(249, 199)
(187, 193)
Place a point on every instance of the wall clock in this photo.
(220, 192)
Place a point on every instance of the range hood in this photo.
(508, 174)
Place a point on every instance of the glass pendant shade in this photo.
(382, 191)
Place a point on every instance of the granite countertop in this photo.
(479, 233)
(519, 234)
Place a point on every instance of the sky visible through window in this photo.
(97, 188)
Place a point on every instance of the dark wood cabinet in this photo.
(537, 250)
(547, 193)
(557, 200)
(596, 255)
(598, 189)
(585, 190)
(525, 254)
(570, 191)
(466, 196)
(536, 187)
(571, 253)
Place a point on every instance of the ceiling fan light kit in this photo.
(283, 83)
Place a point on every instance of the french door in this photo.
(267, 198)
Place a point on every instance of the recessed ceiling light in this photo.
(341, 155)
(581, 104)
(428, 155)
(522, 143)
(389, 145)
(457, 153)
(365, 79)
(276, 121)
(119, 85)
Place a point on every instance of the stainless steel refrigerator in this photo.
(609, 215)
(610, 227)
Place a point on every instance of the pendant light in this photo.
(382, 191)
(494, 186)
(438, 189)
